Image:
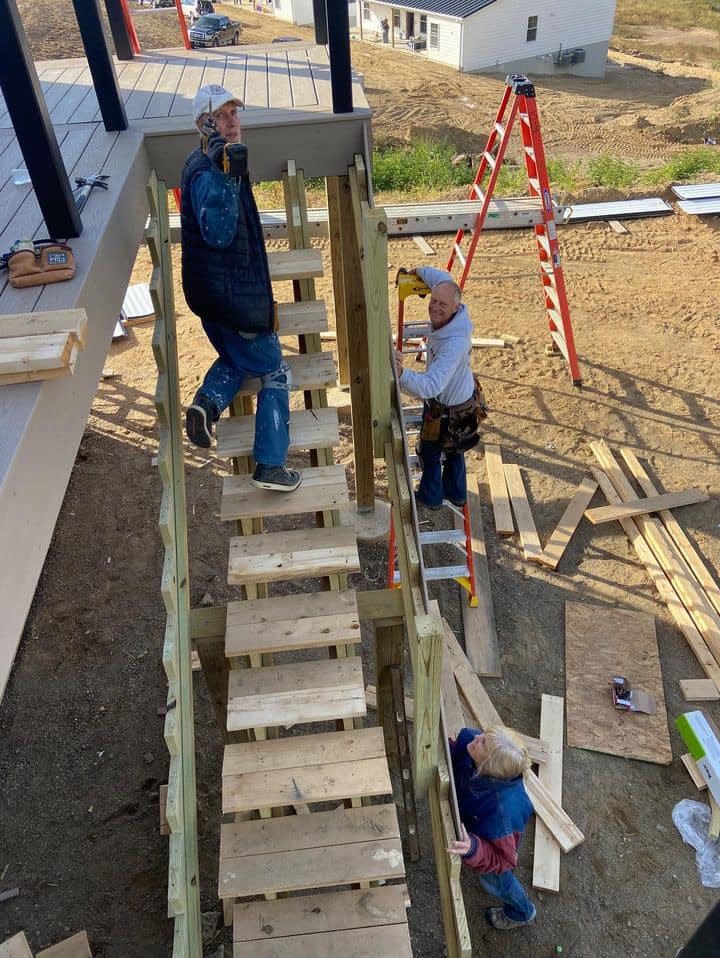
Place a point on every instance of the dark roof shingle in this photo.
(448, 8)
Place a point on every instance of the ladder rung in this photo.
(524, 117)
(500, 128)
(544, 243)
(413, 420)
(445, 572)
(442, 536)
(489, 159)
(459, 254)
(535, 183)
(414, 350)
(478, 192)
(418, 326)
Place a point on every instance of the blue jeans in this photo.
(448, 481)
(516, 904)
(240, 359)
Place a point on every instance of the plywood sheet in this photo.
(601, 642)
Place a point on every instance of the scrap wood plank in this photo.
(559, 823)
(424, 246)
(27, 354)
(71, 321)
(690, 554)
(678, 611)
(699, 690)
(504, 525)
(16, 947)
(77, 946)
(617, 227)
(481, 642)
(643, 507)
(523, 516)
(714, 829)
(601, 642)
(565, 529)
(356, 942)
(546, 856)
(693, 771)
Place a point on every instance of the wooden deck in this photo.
(41, 424)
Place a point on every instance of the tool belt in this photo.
(456, 427)
(36, 263)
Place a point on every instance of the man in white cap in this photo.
(227, 284)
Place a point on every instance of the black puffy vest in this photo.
(227, 286)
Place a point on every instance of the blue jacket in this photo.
(495, 811)
(224, 264)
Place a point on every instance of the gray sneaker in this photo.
(498, 919)
(276, 478)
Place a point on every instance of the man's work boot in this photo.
(498, 919)
(199, 421)
(276, 478)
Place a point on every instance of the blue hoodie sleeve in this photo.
(451, 353)
(431, 276)
(215, 204)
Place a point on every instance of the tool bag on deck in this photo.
(35, 263)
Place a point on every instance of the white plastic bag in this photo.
(692, 820)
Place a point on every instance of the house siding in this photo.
(495, 37)
(449, 31)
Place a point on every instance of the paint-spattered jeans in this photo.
(240, 359)
(516, 904)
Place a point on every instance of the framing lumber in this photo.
(678, 611)
(643, 507)
(559, 540)
(699, 690)
(546, 857)
(523, 516)
(457, 935)
(504, 524)
(71, 321)
(403, 761)
(693, 771)
(375, 259)
(16, 947)
(77, 946)
(481, 641)
(714, 829)
(669, 557)
(680, 538)
(338, 187)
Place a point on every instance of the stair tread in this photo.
(337, 847)
(323, 488)
(309, 316)
(311, 768)
(391, 941)
(296, 553)
(307, 371)
(295, 264)
(286, 622)
(318, 913)
(309, 429)
(295, 693)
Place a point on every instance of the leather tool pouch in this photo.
(463, 425)
(45, 263)
(432, 420)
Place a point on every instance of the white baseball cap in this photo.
(210, 98)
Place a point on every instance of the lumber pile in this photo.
(35, 346)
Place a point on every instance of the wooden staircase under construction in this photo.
(310, 813)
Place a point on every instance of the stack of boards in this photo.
(38, 346)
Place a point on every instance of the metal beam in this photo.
(320, 21)
(118, 28)
(33, 128)
(100, 62)
(338, 27)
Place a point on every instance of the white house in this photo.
(508, 36)
(301, 11)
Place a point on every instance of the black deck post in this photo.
(123, 47)
(101, 65)
(320, 21)
(33, 128)
(338, 25)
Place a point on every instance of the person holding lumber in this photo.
(226, 281)
(494, 810)
(452, 396)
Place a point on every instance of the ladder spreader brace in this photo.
(519, 101)
(411, 285)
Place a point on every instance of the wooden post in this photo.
(336, 186)
(338, 29)
(101, 66)
(119, 30)
(389, 653)
(378, 324)
(427, 674)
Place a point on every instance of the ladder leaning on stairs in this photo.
(356, 841)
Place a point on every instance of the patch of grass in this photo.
(612, 172)
(423, 165)
(666, 13)
(686, 166)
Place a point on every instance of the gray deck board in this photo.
(301, 79)
(189, 84)
(279, 89)
(256, 84)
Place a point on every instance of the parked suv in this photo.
(215, 30)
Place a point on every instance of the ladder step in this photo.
(307, 371)
(295, 264)
(286, 622)
(295, 554)
(356, 910)
(309, 429)
(459, 253)
(338, 847)
(294, 319)
(322, 489)
(499, 128)
(296, 693)
(446, 536)
(332, 766)
(388, 940)
(445, 572)
(478, 192)
(490, 160)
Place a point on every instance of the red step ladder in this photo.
(463, 573)
(519, 102)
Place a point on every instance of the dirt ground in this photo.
(82, 754)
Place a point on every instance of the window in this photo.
(366, 10)
(423, 24)
(531, 29)
(434, 36)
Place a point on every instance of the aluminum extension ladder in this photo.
(519, 102)
(463, 573)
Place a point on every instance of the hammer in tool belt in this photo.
(85, 185)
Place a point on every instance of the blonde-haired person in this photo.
(494, 809)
